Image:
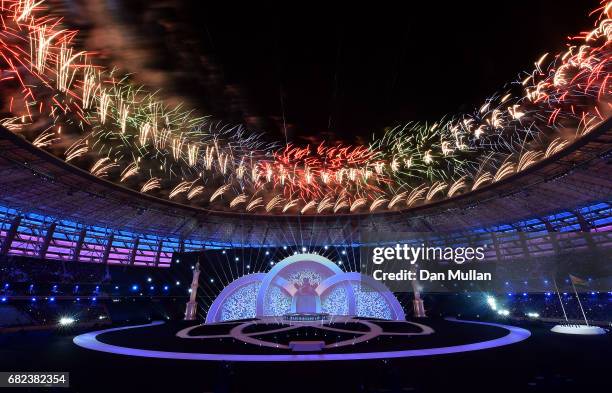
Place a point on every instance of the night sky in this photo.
(345, 71)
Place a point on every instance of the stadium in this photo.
(147, 246)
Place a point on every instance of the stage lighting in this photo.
(236, 259)
(66, 321)
(248, 266)
(267, 252)
(149, 279)
(93, 299)
(51, 299)
(533, 315)
(178, 283)
(303, 249)
(212, 280)
(33, 299)
(151, 287)
(165, 287)
(134, 287)
(326, 247)
(3, 299)
(343, 252)
(503, 312)
(6, 285)
(492, 302)
(116, 287)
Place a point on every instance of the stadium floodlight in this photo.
(66, 321)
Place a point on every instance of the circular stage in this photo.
(273, 339)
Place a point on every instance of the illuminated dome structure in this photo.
(304, 284)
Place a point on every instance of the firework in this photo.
(132, 137)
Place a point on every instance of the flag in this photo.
(578, 280)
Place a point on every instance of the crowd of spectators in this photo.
(28, 270)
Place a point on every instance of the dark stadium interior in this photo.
(215, 197)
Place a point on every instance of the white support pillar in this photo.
(417, 303)
(191, 310)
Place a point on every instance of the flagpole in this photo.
(579, 302)
(560, 301)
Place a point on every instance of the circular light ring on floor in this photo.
(90, 341)
(238, 332)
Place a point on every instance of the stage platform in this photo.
(269, 339)
(544, 362)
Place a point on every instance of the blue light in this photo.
(151, 287)
(78, 299)
(52, 299)
(165, 287)
(134, 287)
(509, 293)
(116, 286)
(33, 299)
(524, 293)
(3, 299)
(6, 285)
(93, 299)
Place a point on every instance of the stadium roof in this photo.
(34, 181)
